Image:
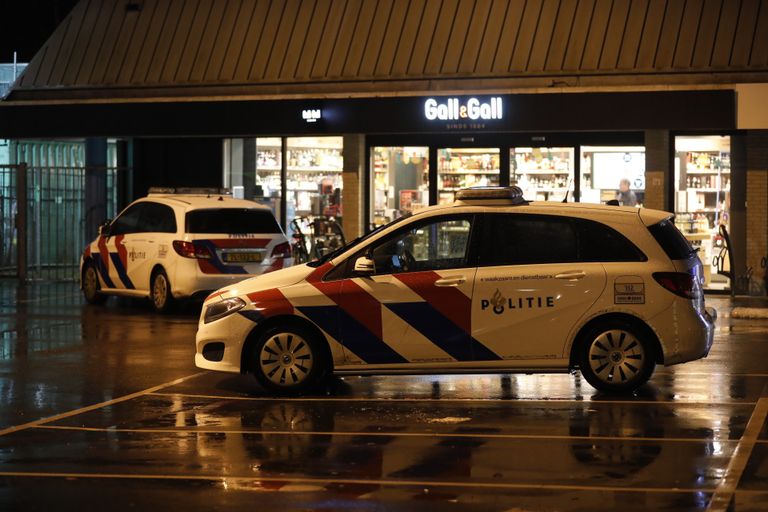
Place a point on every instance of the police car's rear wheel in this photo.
(288, 360)
(91, 286)
(160, 292)
(616, 357)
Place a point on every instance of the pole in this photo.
(21, 222)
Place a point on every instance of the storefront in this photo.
(557, 147)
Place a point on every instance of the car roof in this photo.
(647, 215)
(190, 202)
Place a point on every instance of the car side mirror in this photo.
(104, 228)
(364, 265)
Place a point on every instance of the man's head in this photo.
(624, 185)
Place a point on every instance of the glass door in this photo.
(400, 181)
(459, 168)
(544, 174)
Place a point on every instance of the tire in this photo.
(616, 357)
(91, 286)
(288, 360)
(160, 292)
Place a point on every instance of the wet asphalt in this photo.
(102, 408)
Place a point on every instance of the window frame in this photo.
(345, 269)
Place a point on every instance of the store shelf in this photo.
(553, 171)
(470, 172)
(713, 171)
(300, 169)
(709, 189)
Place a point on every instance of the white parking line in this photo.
(516, 401)
(75, 412)
(725, 491)
(227, 479)
(379, 433)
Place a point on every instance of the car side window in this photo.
(434, 244)
(157, 218)
(600, 243)
(522, 239)
(128, 222)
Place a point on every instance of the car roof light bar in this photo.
(513, 194)
(199, 191)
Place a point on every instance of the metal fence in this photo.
(53, 221)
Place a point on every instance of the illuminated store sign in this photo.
(311, 115)
(453, 110)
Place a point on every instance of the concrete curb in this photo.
(749, 313)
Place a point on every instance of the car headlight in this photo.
(223, 308)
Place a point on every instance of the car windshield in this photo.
(236, 221)
(357, 241)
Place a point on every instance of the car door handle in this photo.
(572, 275)
(450, 281)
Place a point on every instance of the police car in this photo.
(178, 243)
(490, 283)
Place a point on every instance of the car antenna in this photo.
(567, 188)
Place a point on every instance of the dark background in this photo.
(25, 25)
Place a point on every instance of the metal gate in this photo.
(53, 220)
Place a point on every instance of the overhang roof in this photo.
(128, 50)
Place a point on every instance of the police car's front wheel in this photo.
(91, 288)
(616, 357)
(288, 360)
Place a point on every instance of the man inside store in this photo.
(625, 196)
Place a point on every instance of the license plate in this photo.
(242, 257)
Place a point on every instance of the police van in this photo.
(180, 243)
(489, 283)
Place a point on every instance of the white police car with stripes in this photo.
(490, 283)
(178, 243)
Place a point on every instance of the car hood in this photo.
(277, 279)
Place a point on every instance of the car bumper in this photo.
(689, 336)
(219, 344)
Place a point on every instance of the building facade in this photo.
(366, 110)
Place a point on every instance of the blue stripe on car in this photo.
(439, 329)
(115, 257)
(352, 334)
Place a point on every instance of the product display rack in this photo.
(542, 172)
(465, 167)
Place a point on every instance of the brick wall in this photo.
(352, 197)
(657, 170)
(757, 206)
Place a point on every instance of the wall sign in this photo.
(311, 115)
(454, 109)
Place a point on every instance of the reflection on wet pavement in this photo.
(469, 442)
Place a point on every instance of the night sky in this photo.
(25, 25)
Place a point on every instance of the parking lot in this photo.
(102, 407)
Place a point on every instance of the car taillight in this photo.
(679, 283)
(190, 250)
(282, 250)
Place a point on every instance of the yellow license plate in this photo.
(242, 257)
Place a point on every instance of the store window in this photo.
(544, 174)
(459, 168)
(613, 172)
(702, 200)
(400, 181)
(313, 184)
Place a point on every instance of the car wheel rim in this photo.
(616, 356)
(286, 359)
(159, 291)
(90, 283)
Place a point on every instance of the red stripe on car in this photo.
(104, 252)
(122, 252)
(271, 302)
(240, 243)
(206, 267)
(451, 302)
(356, 302)
(319, 273)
